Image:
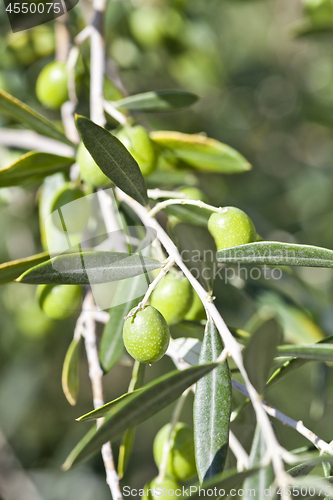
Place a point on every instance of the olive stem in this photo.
(154, 194)
(239, 452)
(182, 201)
(114, 113)
(276, 453)
(167, 445)
(96, 377)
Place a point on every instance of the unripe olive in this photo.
(197, 310)
(59, 301)
(231, 227)
(90, 172)
(147, 25)
(173, 298)
(168, 483)
(146, 335)
(74, 216)
(319, 11)
(137, 141)
(193, 193)
(181, 460)
(51, 85)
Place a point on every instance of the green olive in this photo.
(70, 209)
(146, 335)
(193, 193)
(181, 460)
(173, 298)
(137, 141)
(90, 172)
(197, 310)
(163, 489)
(320, 12)
(147, 25)
(51, 85)
(231, 227)
(59, 301)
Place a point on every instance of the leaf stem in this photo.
(183, 201)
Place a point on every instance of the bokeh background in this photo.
(263, 91)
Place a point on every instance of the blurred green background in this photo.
(264, 92)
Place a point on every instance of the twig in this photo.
(112, 111)
(96, 376)
(183, 201)
(62, 38)
(289, 422)
(275, 451)
(97, 64)
(239, 452)
(31, 141)
(154, 194)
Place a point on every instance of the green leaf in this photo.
(71, 371)
(190, 214)
(33, 165)
(78, 448)
(314, 352)
(201, 152)
(112, 345)
(9, 271)
(22, 113)
(127, 441)
(141, 405)
(301, 470)
(261, 480)
(275, 253)
(223, 484)
(113, 159)
(260, 352)
(212, 409)
(291, 365)
(160, 100)
(89, 268)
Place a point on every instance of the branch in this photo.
(26, 139)
(239, 452)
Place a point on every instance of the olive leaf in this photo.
(70, 372)
(9, 271)
(31, 166)
(275, 253)
(22, 113)
(314, 352)
(113, 159)
(201, 152)
(159, 100)
(86, 268)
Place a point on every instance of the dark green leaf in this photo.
(141, 405)
(9, 271)
(223, 484)
(160, 100)
(22, 113)
(314, 352)
(33, 165)
(89, 268)
(201, 152)
(301, 470)
(112, 345)
(260, 352)
(105, 410)
(275, 253)
(291, 365)
(71, 371)
(260, 481)
(212, 408)
(113, 159)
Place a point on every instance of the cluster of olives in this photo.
(180, 462)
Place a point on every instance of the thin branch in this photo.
(115, 113)
(289, 422)
(26, 139)
(154, 194)
(96, 377)
(184, 201)
(239, 452)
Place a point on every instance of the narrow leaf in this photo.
(275, 253)
(33, 165)
(112, 345)
(71, 371)
(261, 480)
(9, 271)
(113, 159)
(291, 365)
(89, 268)
(223, 483)
(201, 152)
(301, 470)
(314, 352)
(105, 410)
(212, 408)
(80, 446)
(260, 352)
(141, 405)
(22, 113)
(160, 100)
